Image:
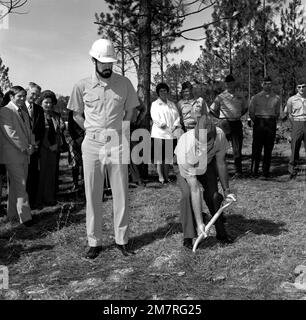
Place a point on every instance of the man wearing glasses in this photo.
(296, 110)
(264, 111)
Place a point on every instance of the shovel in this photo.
(210, 223)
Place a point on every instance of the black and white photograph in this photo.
(152, 152)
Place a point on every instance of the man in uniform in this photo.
(108, 101)
(229, 108)
(186, 105)
(296, 110)
(264, 111)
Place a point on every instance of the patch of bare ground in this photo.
(268, 222)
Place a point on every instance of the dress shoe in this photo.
(187, 243)
(51, 203)
(225, 239)
(93, 252)
(125, 250)
(293, 175)
(29, 223)
(161, 181)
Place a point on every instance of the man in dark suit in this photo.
(37, 118)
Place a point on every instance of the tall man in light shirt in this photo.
(229, 108)
(107, 100)
(296, 110)
(264, 111)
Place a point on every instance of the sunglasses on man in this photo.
(301, 86)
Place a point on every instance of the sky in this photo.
(49, 44)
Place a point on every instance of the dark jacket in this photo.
(38, 122)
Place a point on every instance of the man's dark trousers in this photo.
(264, 132)
(298, 135)
(32, 180)
(233, 132)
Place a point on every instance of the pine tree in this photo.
(226, 35)
(290, 46)
(5, 82)
(140, 30)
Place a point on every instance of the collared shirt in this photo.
(164, 114)
(193, 156)
(30, 109)
(265, 105)
(186, 107)
(103, 101)
(229, 106)
(296, 108)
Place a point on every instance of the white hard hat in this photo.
(103, 50)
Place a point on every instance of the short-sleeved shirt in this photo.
(296, 108)
(103, 101)
(230, 106)
(265, 105)
(186, 107)
(194, 156)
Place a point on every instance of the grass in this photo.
(268, 222)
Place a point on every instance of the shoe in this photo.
(140, 183)
(93, 252)
(29, 223)
(187, 243)
(225, 239)
(292, 175)
(161, 181)
(254, 175)
(51, 203)
(125, 250)
(237, 175)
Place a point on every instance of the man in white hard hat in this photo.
(108, 101)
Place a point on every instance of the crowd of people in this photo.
(32, 137)
(192, 134)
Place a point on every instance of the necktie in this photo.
(31, 111)
(21, 115)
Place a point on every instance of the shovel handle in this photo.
(210, 223)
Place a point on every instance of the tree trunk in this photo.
(144, 72)
(122, 42)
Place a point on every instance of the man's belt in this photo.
(228, 119)
(265, 117)
(297, 119)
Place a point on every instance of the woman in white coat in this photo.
(166, 129)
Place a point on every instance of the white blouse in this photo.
(164, 114)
